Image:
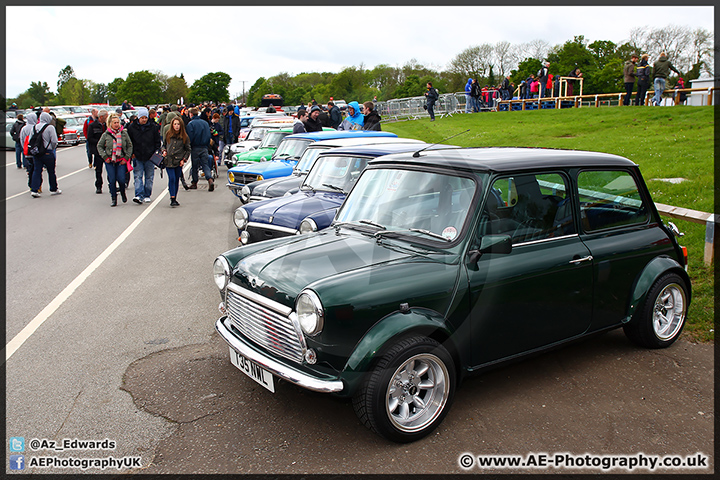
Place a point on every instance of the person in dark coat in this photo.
(312, 124)
(15, 134)
(335, 115)
(643, 79)
(145, 138)
(372, 118)
(95, 131)
(231, 126)
(198, 131)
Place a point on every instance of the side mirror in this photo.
(491, 244)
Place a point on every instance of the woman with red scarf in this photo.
(115, 148)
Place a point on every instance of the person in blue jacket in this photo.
(468, 96)
(198, 131)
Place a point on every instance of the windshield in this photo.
(308, 159)
(410, 202)
(291, 148)
(272, 139)
(256, 134)
(335, 173)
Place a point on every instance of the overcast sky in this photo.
(252, 42)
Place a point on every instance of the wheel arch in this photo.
(655, 269)
(386, 332)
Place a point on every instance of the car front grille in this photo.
(265, 325)
(244, 178)
(258, 234)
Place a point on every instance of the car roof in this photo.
(502, 159)
(350, 141)
(377, 150)
(326, 135)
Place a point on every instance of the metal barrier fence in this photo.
(411, 108)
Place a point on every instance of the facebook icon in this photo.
(17, 462)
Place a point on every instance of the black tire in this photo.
(660, 320)
(382, 403)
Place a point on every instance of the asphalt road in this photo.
(111, 311)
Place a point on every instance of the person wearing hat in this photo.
(145, 139)
(629, 78)
(643, 79)
(312, 124)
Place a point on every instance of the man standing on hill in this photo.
(431, 97)
(542, 77)
(629, 78)
(661, 70)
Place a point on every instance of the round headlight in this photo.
(245, 194)
(221, 272)
(308, 226)
(310, 312)
(240, 218)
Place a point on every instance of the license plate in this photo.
(253, 370)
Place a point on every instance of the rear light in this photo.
(685, 256)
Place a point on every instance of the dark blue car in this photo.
(324, 189)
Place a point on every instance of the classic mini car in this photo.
(278, 187)
(270, 140)
(440, 264)
(324, 189)
(286, 157)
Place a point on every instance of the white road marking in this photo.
(52, 307)
(59, 178)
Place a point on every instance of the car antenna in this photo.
(417, 154)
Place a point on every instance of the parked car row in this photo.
(441, 263)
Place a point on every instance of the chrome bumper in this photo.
(286, 373)
(234, 186)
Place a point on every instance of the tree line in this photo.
(692, 52)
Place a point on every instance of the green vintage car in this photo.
(440, 264)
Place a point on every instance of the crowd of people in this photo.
(165, 137)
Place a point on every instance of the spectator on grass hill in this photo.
(661, 70)
(629, 78)
(576, 73)
(543, 77)
(643, 79)
(468, 96)
(431, 97)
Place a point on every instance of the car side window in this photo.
(528, 207)
(609, 199)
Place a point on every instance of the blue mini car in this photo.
(324, 189)
(286, 157)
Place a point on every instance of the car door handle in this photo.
(580, 260)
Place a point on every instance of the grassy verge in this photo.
(668, 142)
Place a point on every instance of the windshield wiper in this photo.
(415, 230)
(334, 187)
(374, 224)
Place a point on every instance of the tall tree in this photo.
(112, 91)
(211, 87)
(141, 88)
(177, 88)
(65, 74)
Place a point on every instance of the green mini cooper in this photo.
(440, 264)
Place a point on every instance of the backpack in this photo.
(36, 147)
